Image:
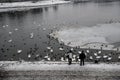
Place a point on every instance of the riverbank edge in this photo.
(30, 4)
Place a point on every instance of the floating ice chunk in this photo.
(29, 55)
(19, 51)
(10, 40)
(88, 36)
(91, 57)
(105, 56)
(61, 49)
(31, 35)
(10, 32)
(16, 29)
(48, 47)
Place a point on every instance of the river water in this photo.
(25, 34)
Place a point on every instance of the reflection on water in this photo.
(37, 11)
(28, 31)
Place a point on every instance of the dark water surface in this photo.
(25, 34)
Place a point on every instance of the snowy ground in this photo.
(60, 71)
(26, 66)
(28, 5)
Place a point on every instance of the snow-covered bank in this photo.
(28, 5)
(26, 66)
(102, 35)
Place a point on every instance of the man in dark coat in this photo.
(82, 57)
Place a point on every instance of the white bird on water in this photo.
(95, 54)
(74, 56)
(19, 51)
(48, 59)
(46, 56)
(10, 40)
(10, 33)
(49, 48)
(4, 26)
(62, 59)
(31, 35)
(44, 29)
(119, 57)
(87, 51)
(16, 29)
(99, 52)
(91, 57)
(71, 49)
(61, 49)
(98, 57)
(79, 52)
(105, 56)
(109, 58)
(29, 55)
(37, 55)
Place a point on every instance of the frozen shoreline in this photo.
(28, 5)
(59, 70)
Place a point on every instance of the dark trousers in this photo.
(82, 62)
(70, 61)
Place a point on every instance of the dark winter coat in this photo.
(82, 56)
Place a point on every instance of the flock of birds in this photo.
(90, 55)
(96, 55)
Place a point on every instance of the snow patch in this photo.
(25, 66)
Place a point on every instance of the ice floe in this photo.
(101, 36)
